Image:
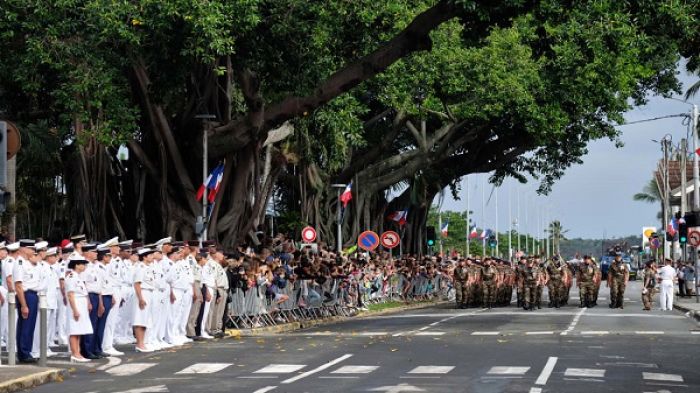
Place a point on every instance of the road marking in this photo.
(417, 331)
(695, 332)
(129, 369)
(280, 369)
(535, 390)
(430, 333)
(547, 371)
(630, 364)
(149, 389)
(431, 370)
(403, 387)
(574, 322)
(355, 370)
(204, 368)
(373, 334)
(265, 389)
(508, 370)
(258, 377)
(662, 377)
(648, 332)
(112, 361)
(594, 332)
(584, 372)
(485, 333)
(339, 377)
(538, 333)
(317, 369)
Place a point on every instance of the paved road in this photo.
(431, 350)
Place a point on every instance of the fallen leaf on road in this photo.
(394, 349)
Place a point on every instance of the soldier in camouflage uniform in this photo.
(618, 275)
(585, 280)
(510, 283)
(542, 280)
(648, 286)
(598, 279)
(500, 283)
(519, 282)
(567, 280)
(489, 279)
(555, 285)
(475, 291)
(530, 276)
(461, 275)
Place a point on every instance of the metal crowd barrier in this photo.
(307, 300)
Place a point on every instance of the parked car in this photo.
(606, 260)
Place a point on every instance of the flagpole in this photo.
(483, 214)
(466, 252)
(496, 251)
(517, 196)
(510, 227)
(440, 225)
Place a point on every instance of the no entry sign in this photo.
(308, 234)
(694, 238)
(368, 240)
(390, 239)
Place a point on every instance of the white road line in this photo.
(648, 332)
(431, 370)
(574, 322)
(258, 377)
(317, 369)
(594, 332)
(538, 333)
(204, 368)
(280, 369)
(112, 361)
(129, 369)
(265, 389)
(417, 331)
(547, 370)
(339, 377)
(695, 332)
(430, 333)
(662, 377)
(508, 370)
(148, 389)
(535, 390)
(355, 370)
(485, 333)
(584, 372)
(373, 334)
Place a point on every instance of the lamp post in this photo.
(339, 230)
(206, 120)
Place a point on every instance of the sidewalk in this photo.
(16, 378)
(687, 305)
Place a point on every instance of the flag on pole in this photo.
(672, 227)
(399, 216)
(346, 196)
(485, 233)
(212, 193)
(212, 183)
(473, 234)
(444, 228)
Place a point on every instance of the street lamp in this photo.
(202, 222)
(339, 234)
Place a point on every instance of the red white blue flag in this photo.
(346, 196)
(212, 183)
(399, 216)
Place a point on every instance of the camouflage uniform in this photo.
(555, 285)
(586, 284)
(461, 274)
(510, 282)
(649, 284)
(520, 284)
(530, 277)
(616, 281)
(597, 281)
(475, 293)
(489, 278)
(542, 278)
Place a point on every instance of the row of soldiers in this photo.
(491, 282)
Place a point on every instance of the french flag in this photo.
(485, 233)
(443, 230)
(212, 183)
(399, 216)
(346, 196)
(473, 234)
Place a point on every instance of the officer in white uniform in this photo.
(124, 332)
(144, 286)
(208, 280)
(61, 269)
(93, 281)
(155, 332)
(3, 295)
(114, 272)
(49, 287)
(183, 282)
(26, 279)
(667, 275)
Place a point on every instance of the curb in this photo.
(30, 381)
(689, 312)
(293, 326)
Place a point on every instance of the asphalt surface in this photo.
(429, 350)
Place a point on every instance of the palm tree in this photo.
(556, 233)
(651, 194)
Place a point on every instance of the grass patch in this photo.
(384, 306)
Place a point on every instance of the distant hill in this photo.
(596, 247)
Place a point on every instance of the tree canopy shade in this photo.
(396, 95)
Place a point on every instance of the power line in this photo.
(652, 119)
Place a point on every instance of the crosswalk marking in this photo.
(594, 332)
(584, 372)
(129, 369)
(662, 377)
(507, 370)
(538, 333)
(280, 369)
(204, 368)
(430, 333)
(431, 370)
(695, 332)
(649, 332)
(355, 370)
(485, 333)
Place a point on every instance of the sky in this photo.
(593, 199)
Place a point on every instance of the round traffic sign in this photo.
(694, 238)
(390, 239)
(308, 234)
(368, 240)
(655, 243)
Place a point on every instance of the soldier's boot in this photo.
(582, 304)
(556, 303)
(550, 304)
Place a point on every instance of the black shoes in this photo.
(28, 360)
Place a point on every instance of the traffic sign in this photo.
(308, 234)
(390, 239)
(694, 238)
(368, 240)
(654, 243)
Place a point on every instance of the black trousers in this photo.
(681, 287)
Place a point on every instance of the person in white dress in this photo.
(144, 285)
(78, 317)
(667, 275)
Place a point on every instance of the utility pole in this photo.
(510, 227)
(665, 143)
(339, 218)
(466, 252)
(696, 190)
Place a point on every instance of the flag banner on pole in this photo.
(211, 182)
(485, 233)
(399, 216)
(473, 234)
(346, 196)
(444, 229)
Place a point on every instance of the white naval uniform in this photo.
(126, 315)
(183, 278)
(154, 335)
(75, 284)
(7, 267)
(208, 279)
(666, 275)
(168, 278)
(111, 287)
(145, 275)
(60, 269)
(48, 283)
